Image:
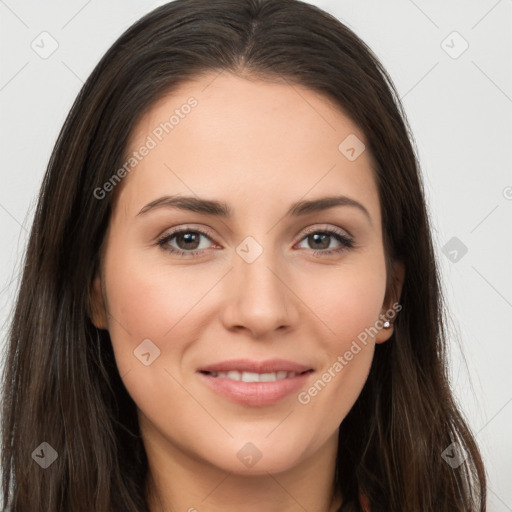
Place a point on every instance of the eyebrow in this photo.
(222, 209)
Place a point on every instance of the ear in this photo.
(389, 311)
(98, 311)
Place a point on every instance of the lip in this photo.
(256, 394)
(248, 365)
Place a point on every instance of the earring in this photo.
(386, 324)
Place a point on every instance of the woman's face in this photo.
(243, 273)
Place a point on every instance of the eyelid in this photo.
(326, 227)
(184, 228)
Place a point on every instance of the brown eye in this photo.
(188, 240)
(320, 241)
(184, 242)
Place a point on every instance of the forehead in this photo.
(248, 141)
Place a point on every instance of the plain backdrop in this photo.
(451, 62)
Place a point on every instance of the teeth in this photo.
(253, 377)
(250, 377)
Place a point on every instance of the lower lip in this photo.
(256, 393)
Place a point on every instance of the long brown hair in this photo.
(61, 383)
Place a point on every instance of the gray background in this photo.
(459, 104)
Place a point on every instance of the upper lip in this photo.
(247, 365)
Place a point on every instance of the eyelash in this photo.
(346, 242)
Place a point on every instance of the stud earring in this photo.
(386, 324)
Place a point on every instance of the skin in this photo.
(259, 146)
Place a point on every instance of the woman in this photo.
(230, 299)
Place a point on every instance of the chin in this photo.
(258, 456)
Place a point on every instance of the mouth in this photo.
(242, 376)
(255, 383)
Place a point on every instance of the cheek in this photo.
(154, 310)
(348, 300)
(348, 305)
(156, 302)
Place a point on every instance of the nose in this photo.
(260, 299)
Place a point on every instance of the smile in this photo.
(253, 376)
